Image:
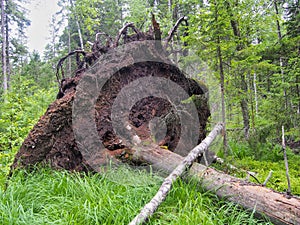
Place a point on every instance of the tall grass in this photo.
(45, 196)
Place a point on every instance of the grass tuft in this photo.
(45, 196)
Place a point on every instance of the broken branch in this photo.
(268, 178)
(286, 163)
(151, 207)
(157, 32)
(108, 38)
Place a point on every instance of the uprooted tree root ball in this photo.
(52, 140)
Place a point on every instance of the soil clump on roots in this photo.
(52, 140)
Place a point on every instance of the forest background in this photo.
(248, 49)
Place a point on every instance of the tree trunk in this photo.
(281, 62)
(222, 84)
(255, 93)
(244, 88)
(245, 112)
(69, 48)
(3, 34)
(286, 164)
(78, 26)
(8, 69)
(298, 93)
(277, 206)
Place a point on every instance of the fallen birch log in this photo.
(281, 209)
(160, 196)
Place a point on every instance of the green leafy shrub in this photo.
(20, 109)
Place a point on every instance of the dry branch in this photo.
(268, 178)
(156, 27)
(151, 207)
(102, 34)
(286, 163)
(232, 167)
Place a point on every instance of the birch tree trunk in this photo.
(78, 26)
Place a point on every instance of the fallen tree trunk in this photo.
(281, 209)
(161, 195)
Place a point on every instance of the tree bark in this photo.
(255, 93)
(8, 69)
(4, 60)
(244, 87)
(69, 48)
(78, 26)
(281, 62)
(222, 85)
(286, 163)
(281, 209)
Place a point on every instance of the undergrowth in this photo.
(20, 109)
(262, 159)
(45, 196)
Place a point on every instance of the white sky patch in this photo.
(40, 15)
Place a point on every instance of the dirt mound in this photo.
(52, 140)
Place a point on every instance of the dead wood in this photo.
(286, 164)
(232, 167)
(123, 32)
(156, 27)
(268, 178)
(172, 32)
(275, 205)
(52, 139)
(184, 165)
(60, 63)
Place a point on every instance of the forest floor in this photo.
(262, 159)
(45, 196)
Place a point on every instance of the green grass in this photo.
(188, 203)
(45, 196)
(278, 180)
(261, 160)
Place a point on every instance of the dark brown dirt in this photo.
(52, 140)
